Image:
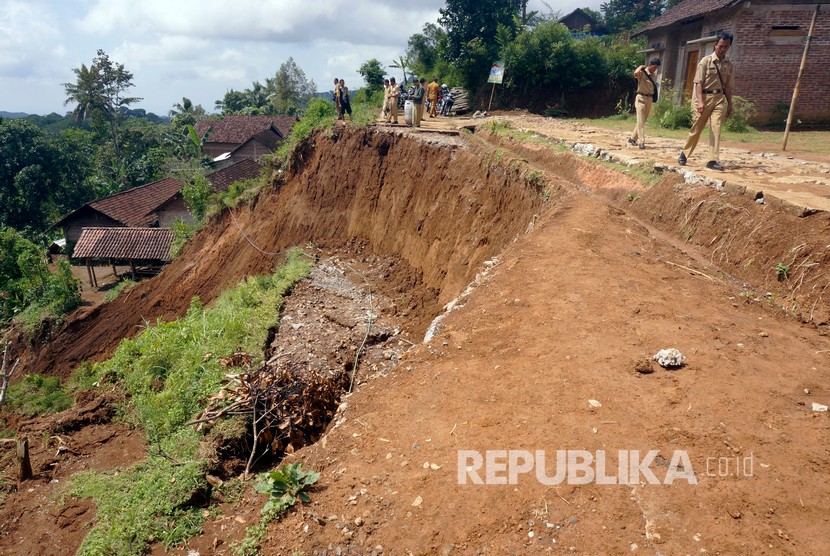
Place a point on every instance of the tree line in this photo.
(54, 164)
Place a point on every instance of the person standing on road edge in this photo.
(433, 90)
(714, 82)
(418, 101)
(646, 77)
(392, 102)
(335, 96)
(385, 108)
(345, 101)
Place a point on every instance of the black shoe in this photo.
(642, 145)
(632, 142)
(713, 165)
(681, 159)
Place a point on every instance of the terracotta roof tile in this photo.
(132, 206)
(687, 9)
(244, 169)
(238, 129)
(124, 243)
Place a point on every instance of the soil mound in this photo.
(431, 205)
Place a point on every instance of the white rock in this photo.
(819, 407)
(670, 357)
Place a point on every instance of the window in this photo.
(785, 35)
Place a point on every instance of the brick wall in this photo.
(766, 67)
(766, 72)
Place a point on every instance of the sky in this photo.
(200, 49)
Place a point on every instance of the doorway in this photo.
(691, 68)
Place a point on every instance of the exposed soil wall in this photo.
(766, 246)
(749, 241)
(432, 205)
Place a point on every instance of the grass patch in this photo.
(167, 372)
(124, 285)
(38, 395)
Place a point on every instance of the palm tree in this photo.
(85, 93)
(401, 63)
(184, 107)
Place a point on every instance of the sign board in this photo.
(496, 72)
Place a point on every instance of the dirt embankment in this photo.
(432, 205)
(543, 355)
(775, 254)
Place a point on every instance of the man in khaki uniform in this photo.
(714, 82)
(418, 101)
(392, 102)
(433, 89)
(385, 108)
(646, 87)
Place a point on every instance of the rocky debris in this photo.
(336, 332)
(819, 407)
(669, 358)
(336, 320)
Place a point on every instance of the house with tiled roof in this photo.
(238, 137)
(136, 246)
(579, 21)
(130, 208)
(770, 36)
(156, 204)
(175, 207)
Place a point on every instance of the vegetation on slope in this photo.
(167, 372)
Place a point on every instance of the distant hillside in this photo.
(12, 115)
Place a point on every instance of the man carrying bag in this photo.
(646, 96)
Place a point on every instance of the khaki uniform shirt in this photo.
(707, 73)
(433, 90)
(644, 86)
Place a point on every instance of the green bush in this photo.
(319, 113)
(29, 288)
(168, 371)
(742, 112)
(37, 395)
(182, 231)
(664, 100)
(677, 117)
(123, 286)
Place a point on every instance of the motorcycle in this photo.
(445, 102)
(405, 95)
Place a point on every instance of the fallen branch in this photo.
(691, 270)
(6, 373)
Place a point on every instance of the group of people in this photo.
(711, 100)
(420, 92)
(342, 99)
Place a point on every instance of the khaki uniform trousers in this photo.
(392, 110)
(643, 106)
(714, 109)
(418, 114)
(433, 106)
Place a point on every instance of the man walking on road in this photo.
(646, 91)
(714, 81)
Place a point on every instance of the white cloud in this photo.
(22, 55)
(200, 48)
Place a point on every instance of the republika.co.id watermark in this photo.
(582, 467)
